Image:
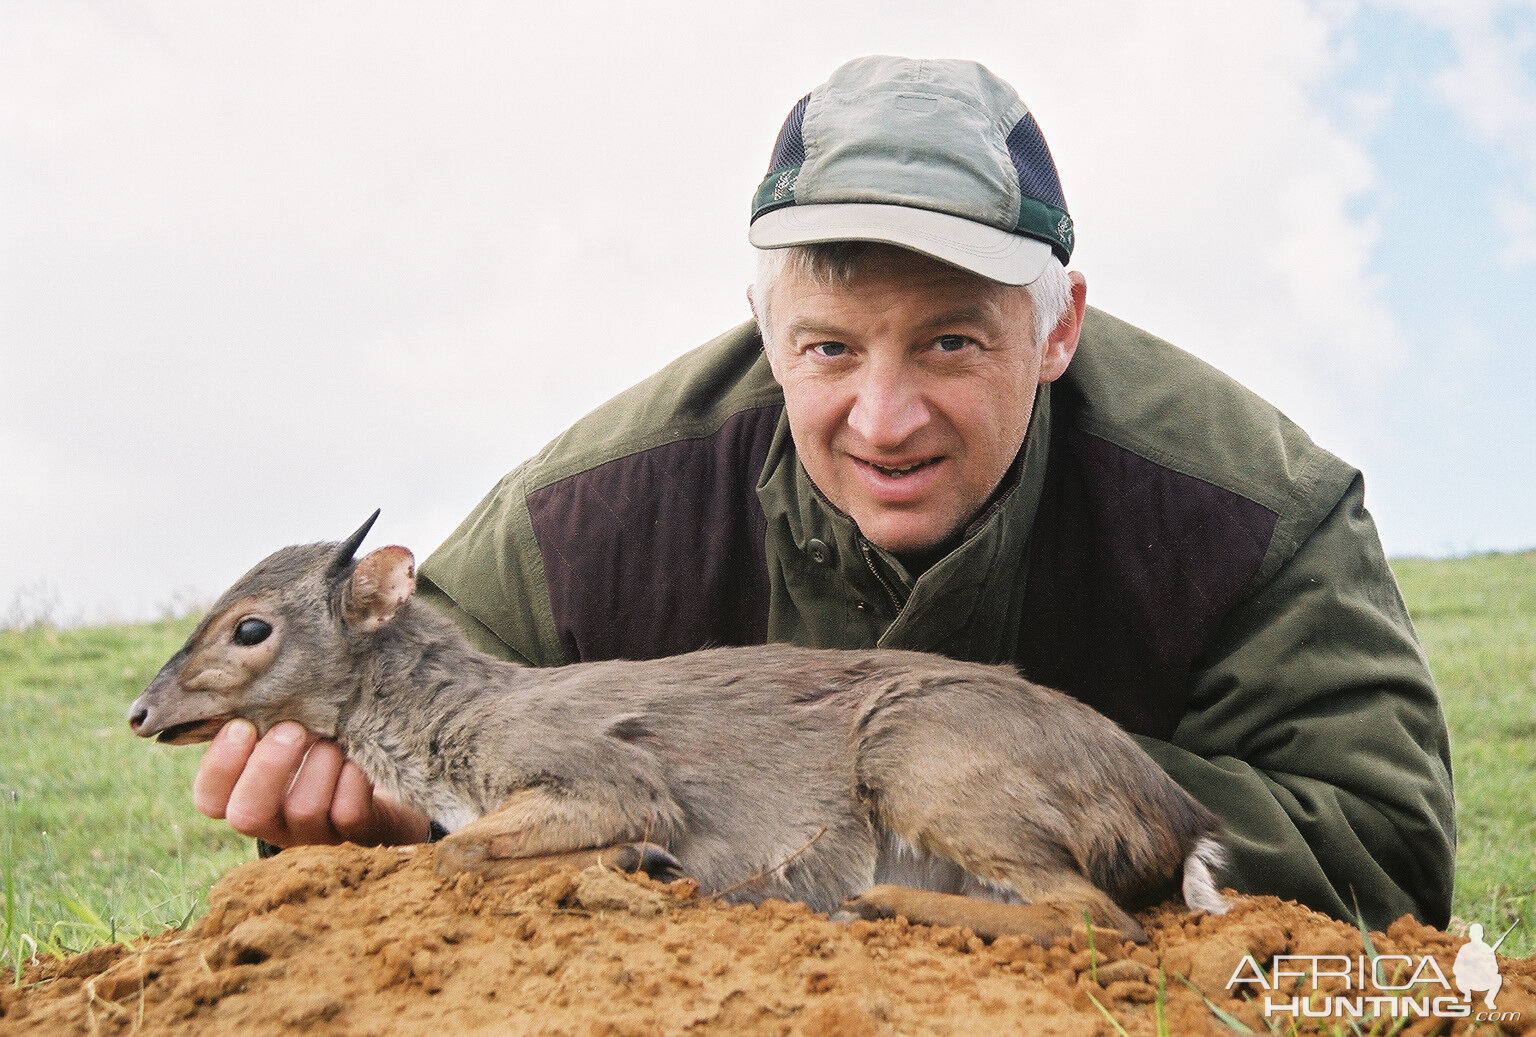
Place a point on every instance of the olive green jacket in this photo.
(1168, 548)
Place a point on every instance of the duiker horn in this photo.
(349, 546)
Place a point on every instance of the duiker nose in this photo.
(137, 715)
(889, 407)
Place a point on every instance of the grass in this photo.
(1476, 617)
(99, 840)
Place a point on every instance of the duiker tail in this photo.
(1201, 893)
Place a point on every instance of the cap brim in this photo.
(992, 253)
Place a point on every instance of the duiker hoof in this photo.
(648, 858)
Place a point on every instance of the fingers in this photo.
(307, 806)
(221, 766)
(352, 809)
(292, 788)
(257, 801)
(363, 815)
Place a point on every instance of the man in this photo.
(928, 441)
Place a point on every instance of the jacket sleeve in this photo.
(1314, 731)
(488, 577)
(479, 635)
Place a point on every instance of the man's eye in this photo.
(951, 343)
(829, 349)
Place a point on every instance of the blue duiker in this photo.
(875, 782)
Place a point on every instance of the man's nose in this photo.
(889, 408)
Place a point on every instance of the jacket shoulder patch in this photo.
(1133, 567)
(660, 552)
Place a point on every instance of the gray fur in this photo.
(767, 771)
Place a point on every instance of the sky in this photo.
(267, 267)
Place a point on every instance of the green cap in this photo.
(940, 157)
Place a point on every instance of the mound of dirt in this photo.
(371, 941)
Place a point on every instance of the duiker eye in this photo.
(252, 631)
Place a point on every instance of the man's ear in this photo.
(378, 586)
(1061, 344)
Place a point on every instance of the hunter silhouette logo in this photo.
(1371, 985)
(1476, 968)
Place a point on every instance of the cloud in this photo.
(1490, 83)
(1224, 206)
(263, 268)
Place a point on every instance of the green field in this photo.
(99, 839)
(1477, 619)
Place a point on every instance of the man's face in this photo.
(908, 389)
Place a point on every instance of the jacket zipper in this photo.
(896, 602)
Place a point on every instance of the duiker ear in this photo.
(379, 585)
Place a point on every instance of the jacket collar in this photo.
(831, 587)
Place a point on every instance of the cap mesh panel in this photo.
(1032, 162)
(789, 149)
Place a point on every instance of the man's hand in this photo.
(293, 787)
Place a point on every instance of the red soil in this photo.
(371, 941)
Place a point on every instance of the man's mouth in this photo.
(897, 471)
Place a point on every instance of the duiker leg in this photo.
(1055, 904)
(1043, 921)
(1015, 785)
(537, 823)
(1040, 902)
(644, 857)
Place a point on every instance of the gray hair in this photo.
(837, 262)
